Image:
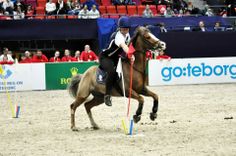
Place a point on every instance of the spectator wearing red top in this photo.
(148, 55)
(5, 58)
(162, 56)
(28, 58)
(56, 57)
(67, 57)
(77, 56)
(88, 55)
(39, 57)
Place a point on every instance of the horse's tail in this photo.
(73, 85)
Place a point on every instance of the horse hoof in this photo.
(136, 118)
(74, 129)
(95, 128)
(153, 116)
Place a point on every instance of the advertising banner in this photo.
(58, 75)
(21, 77)
(192, 71)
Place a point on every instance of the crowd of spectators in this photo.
(17, 9)
(86, 55)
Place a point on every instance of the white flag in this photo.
(119, 68)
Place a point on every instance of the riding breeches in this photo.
(109, 66)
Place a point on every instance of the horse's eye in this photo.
(148, 37)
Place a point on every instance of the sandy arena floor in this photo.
(191, 121)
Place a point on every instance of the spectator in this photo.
(162, 56)
(21, 4)
(169, 12)
(123, 2)
(209, 12)
(2, 16)
(61, 7)
(22, 59)
(56, 57)
(230, 7)
(27, 56)
(88, 55)
(69, 5)
(147, 12)
(18, 14)
(50, 8)
(29, 14)
(5, 58)
(217, 27)
(179, 4)
(8, 6)
(201, 27)
(94, 13)
(84, 13)
(67, 57)
(76, 8)
(77, 56)
(39, 57)
(162, 28)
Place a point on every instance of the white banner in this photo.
(192, 71)
(21, 77)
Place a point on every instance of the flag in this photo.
(131, 50)
(1, 70)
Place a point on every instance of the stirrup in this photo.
(107, 100)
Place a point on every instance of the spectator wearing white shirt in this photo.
(84, 13)
(8, 6)
(50, 8)
(94, 13)
(18, 14)
(5, 57)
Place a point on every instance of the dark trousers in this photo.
(109, 65)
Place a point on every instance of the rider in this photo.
(109, 57)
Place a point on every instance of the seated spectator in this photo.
(162, 27)
(169, 12)
(75, 8)
(29, 14)
(61, 7)
(56, 57)
(231, 11)
(6, 58)
(123, 2)
(27, 56)
(50, 8)
(147, 12)
(69, 5)
(77, 56)
(149, 55)
(8, 6)
(84, 13)
(18, 14)
(3, 16)
(209, 12)
(21, 4)
(39, 57)
(94, 13)
(67, 57)
(22, 59)
(162, 56)
(88, 55)
(217, 27)
(201, 27)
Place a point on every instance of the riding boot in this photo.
(107, 100)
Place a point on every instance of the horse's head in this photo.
(149, 41)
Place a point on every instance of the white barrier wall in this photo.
(192, 71)
(21, 77)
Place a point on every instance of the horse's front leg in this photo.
(147, 92)
(137, 116)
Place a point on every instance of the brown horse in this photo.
(82, 86)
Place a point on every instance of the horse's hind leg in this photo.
(89, 105)
(73, 107)
(153, 114)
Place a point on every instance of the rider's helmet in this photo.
(124, 22)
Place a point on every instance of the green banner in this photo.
(58, 75)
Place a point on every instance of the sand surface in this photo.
(191, 121)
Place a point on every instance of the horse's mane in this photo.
(134, 37)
